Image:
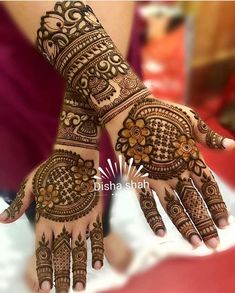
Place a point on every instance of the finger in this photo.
(197, 211)
(210, 138)
(44, 261)
(97, 244)
(61, 261)
(149, 208)
(210, 192)
(178, 216)
(16, 209)
(79, 257)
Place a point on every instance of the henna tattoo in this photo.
(159, 137)
(14, 209)
(61, 260)
(64, 187)
(97, 246)
(178, 216)
(213, 198)
(75, 43)
(79, 254)
(149, 208)
(213, 140)
(196, 209)
(44, 261)
(78, 123)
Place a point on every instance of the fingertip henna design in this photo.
(213, 198)
(179, 217)
(149, 208)
(61, 260)
(79, 254)
(64, 187)
(14, 209)
(97, 246)
(196, 209)
(44, 261)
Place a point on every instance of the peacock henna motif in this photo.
(213, 198)
(149, 208)
(79, 255)
(97, 246)
(178, 216)
(61, 260)
(44, 261)
(196, 209)
(64, 187)
(75, 43)
(14, 209)
(159, 137)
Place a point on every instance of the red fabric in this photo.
(211, 274)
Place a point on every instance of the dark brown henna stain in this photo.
(159, 137)
(44, 261)
(61, 260)
(64, 187)
(149, 208)
(14, 209)
(196, 209)
(75, 43)
(213, 198)
(179, 217)
(97, 246)
(79, 254)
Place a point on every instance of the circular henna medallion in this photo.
(64, 187)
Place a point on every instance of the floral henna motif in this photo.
(14, 209)
(213, 198)
(74, 41)
(178, 216)
(61, 260)
(160, 138)
(64, 187)
(196, 209)
(44, 261)
(97, 246)
(79, 254)
(149, 208)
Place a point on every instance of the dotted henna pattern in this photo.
(64, 187)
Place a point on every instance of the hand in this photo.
(66, 206)
(162, 138)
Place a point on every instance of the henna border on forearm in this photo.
(79, 255)
(44, 261)
(61, 260)
(196, 209)
(97, 245)
(149, 208)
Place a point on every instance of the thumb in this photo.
(210, 138)
(18, 206)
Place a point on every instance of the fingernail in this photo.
(3, 216)
(222, 223)
(161, 232)
(228, 143)
(97, 265)
(46, 286)
(195, 240)
(212, 243)
(79, 286)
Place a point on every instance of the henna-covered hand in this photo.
(159, 136)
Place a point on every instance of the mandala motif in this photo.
(159, 137)
(64, 187)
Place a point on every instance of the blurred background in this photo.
(184, 51)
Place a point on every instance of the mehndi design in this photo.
(97, 247)
(44, 261)
(64, 187)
